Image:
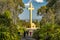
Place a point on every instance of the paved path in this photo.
(27, 38)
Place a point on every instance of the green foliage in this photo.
(52, 9)
(21, 29)
(48, 32)
(42, 10)
(37, 23)
(7, 13)
(11, 4)
(8, 31)
(4, 20)
(51, 3)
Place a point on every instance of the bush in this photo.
(47, 32)
(8, 31)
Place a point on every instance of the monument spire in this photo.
(31, 9)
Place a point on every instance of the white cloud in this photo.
(39, 1)
(27, 4)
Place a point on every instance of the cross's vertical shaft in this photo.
(31, 9)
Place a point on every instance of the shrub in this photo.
(47, 32)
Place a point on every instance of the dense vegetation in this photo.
(47, 32)
(50, 23)
(9, 27)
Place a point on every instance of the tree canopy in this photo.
(8, 16)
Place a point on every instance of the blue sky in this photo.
(36, 4)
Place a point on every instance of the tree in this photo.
(47, 32)
(14, 6)
(49, 27)
(8, 16)
(48, 14)
(8, 31)
(54, 5)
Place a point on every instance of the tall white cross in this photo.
(31, 9)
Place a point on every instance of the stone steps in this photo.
(27, 38)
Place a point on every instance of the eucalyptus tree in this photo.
(50, 29)
(8, 16)
(55, 4)
(14, 6)
(48, 11)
